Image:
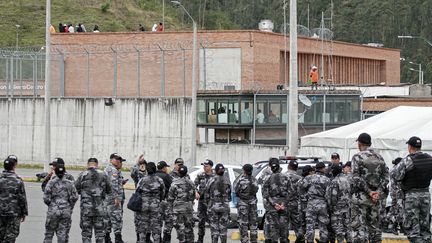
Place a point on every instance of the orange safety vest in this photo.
(314, 76)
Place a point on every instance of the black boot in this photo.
(166, 238)
(118, 238)
(107, 238)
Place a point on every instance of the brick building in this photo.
(159, 63)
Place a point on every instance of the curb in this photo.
(236, 236)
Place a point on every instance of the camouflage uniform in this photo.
(293, 203)
(152, 191)
(369, 174)
(417, 198)
(275, 191)
(246, 188)
(264, 176)
(339, 201)
(395, 215)
(218, 196)
(66, 176)
(13, 206)
(200, 182)
(114, 217)
(302, 204)
(180, 199)
(314, 187)
(136, 174)
(60, 195)
(93, 185)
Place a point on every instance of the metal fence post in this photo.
(115, 73)
(88, 73)
(11, 76)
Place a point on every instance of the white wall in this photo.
(82, 128)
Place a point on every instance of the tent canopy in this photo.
(389, 131)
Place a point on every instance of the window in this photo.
(201, 112)
(246, 111)
(211, 112)
(274, 114)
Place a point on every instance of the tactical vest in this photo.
(221, 188)
(275, 179)
(249, 192)
(421, 174)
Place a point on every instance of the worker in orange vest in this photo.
(314, 77)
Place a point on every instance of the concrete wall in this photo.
(82, 128)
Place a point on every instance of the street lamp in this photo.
(194, 88)
(414, 37)
(416, 70)
(17, 27)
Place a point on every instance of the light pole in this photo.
(194, 88)
(47, 86)
(421, 81)
(415, 37)
(17, 33)
(293, 91)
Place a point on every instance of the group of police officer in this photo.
(344, 202)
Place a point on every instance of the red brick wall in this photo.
(260, 54)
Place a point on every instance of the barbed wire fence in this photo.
(126, 70)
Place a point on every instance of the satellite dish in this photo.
(303, 99)
(322, 33)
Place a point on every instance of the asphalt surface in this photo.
(33, 229)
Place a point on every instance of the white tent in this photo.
(389, 131)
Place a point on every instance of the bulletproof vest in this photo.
(92, 185)
(249, 192)
(188, 190)
(372, 176)
(421, 174)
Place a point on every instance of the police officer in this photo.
(152, 190)
(180, 198)
(395, 215)
(218, 196)
(166, 215)
(293, 200)
(60, 196)
(315, 187)
(275, 196)
(200, 182)
(93, 185)
(369, 182)
(415, 173)
(246, 188)
(138, 171)
(339, 200)
(115, 200)
(302, 199)
(177, 163)
(56, 162)
(13, 201)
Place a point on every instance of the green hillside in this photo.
(109, 15)
(353, 21)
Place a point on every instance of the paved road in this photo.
(32, 230)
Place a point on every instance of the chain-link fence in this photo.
(144, 70)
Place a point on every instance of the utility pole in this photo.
(47, 86)
(293, 91)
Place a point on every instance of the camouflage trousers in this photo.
(90, 223)
(277, 226)
(395, 215)
(316, 214)
(202, 217)
(247, 220)
(58, 223)
(294, 219)
(365, 219)
(114, 219)
(184, 225)
(149, 222)
(9, 228)
(340, 224)
(218, 225)
(166, 217)
(302, 223)
(417, 216)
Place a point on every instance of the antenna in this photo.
(305, 100)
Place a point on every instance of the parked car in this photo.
(231, 172)
(261, 166)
